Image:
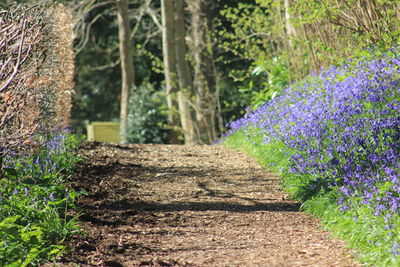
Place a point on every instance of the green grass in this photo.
(272, 156)
(362, 230)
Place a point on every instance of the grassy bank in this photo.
(334, 138)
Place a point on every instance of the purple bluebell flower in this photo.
(345, 208)
(346, 129)
(395, 249)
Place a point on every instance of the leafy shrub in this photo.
(253, 34)
(337, 136)
(35, 203)
(145, 118)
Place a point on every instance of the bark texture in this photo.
(186, 53)
(184, 78)
(204, 80)
(127, 70)
(170, 72)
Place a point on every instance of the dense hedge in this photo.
(36, 72)
(335, 139)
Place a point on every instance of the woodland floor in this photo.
(169, 205)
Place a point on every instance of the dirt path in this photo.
(164, 205)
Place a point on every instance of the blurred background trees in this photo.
(197, 65)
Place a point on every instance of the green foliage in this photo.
(145, 118)
(369, 225)
(357, 226)
(35, 203)
(252, 37)
(274, 76)
(263, 58)
(98, 72)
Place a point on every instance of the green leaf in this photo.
(258, 70)
(368, 105)
(32, 255)
(14, 264)
(56, 251)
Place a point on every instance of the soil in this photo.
(170, 205)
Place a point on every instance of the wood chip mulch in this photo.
(170, 205)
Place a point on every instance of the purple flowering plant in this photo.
(335, 137)
(35, 203)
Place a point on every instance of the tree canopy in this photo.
(235, 54)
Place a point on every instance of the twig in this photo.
(17, 65)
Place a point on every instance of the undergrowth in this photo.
(334, 138)
(35, 204)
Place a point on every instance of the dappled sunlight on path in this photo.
(165, 205)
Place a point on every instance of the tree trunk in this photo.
(128, 75)
(170, 72)
(204, 82)
(184, 78)
(290, 30)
